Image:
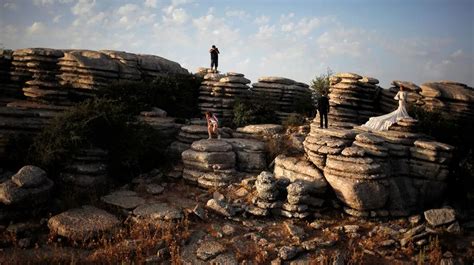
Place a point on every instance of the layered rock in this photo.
(25, 194)
(453, 98)
(166, 126)
(268, 193)
(209, 163)
(9, 89)
(351, 98)
(218, 93)
(87, 171)
(382, 172)
(284, 93)
(81, 224)
(250, 154)
(191, 133)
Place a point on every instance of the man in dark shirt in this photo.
(214, 57)
(323, 108)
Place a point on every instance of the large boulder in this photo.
(83, 223)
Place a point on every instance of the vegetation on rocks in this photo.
(104, 123)
(176, 94)
(256, 109)
(320, 84)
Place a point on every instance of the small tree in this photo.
(320, 84)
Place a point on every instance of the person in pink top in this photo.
(212, 125)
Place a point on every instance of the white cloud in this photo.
(36, 28)
(10, 5)
(83, 7)
(237, 13)
(265, 32)
(175, 15)
(262, 20)
(50, 2)
(57, 18)
(151, 3)
(180, 2)
(458, 53)
(127, 9)
(342, 42)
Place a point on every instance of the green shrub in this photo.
(254, 109)
(294, 119)
(101, 123)
(178, 95)
(304, 106)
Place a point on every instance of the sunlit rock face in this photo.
(384, 172)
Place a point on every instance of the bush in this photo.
(178, 95)
(254, 109)
(294, 119)
(102, 123)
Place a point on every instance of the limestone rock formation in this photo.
(83, 223)
(282, 92)
(382, 172)
(87, 171)
(218, 93)
(24, 194)
(209, 163)
(352, 99)
(250, 154)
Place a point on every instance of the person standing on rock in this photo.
(323, 108)
(214, 57)
(212, 125)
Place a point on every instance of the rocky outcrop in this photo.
(352, 99)
(191, 133)
(452, 98)
(86, 172)
(83, 223)
(250, 154)
(383, 172)
(25, 194)
(218, 93)
(52, 80)
(209, 163)
(284, 93)
(166, 127)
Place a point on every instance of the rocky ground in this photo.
(173, 222)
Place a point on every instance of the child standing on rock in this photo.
(212, 125)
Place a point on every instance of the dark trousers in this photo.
(214, 63)
(321, 116)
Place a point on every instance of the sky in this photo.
(414, 40)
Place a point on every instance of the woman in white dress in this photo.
(382, 123)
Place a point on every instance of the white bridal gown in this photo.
(382, 123)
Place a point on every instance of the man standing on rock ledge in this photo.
(214, 57)
(323, 108)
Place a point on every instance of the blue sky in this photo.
(411, 40)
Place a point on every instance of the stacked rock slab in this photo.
(9, 90)
(209, 163)
(323, 142)
(87, 171)
(191, 133)
(267, 197)
(429, 167)
(250, 154)
(307, 184)
(42, 84)
(380, 173)
(284, 93)
(387, 103)
(452, 98)
(24, 194)
(218, 93)
(166, 127)
(351, 99)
